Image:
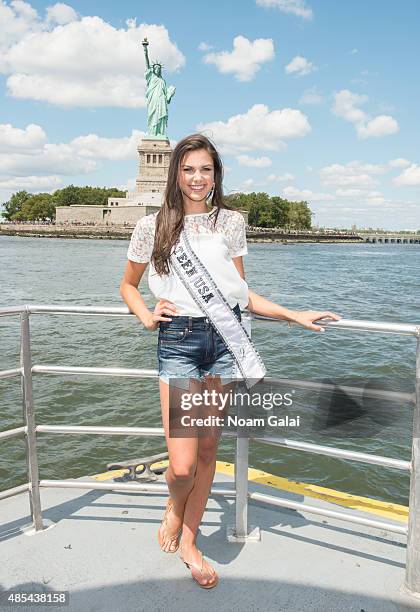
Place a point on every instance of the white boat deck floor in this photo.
(103, 550)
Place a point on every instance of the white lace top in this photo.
(214, 246)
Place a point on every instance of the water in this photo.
(358, 281)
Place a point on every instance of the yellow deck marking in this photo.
(109, 475)
(395, 512)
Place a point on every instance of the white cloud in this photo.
(115, 90)
(294, 193)
(349, 193)
(370, 197)
(382, 125)
(294, 7)
(346, 105)
(254, 162)
(16, 139)
(24, 9)
(258, 128)
(52, 159)
(31, 183)
(358, 175)
(89, 62)
(409, 177)
(203, 46)
(96, 147)
(17, 19)
(361, 196)
(355, 179)
(300, 66)
(61, 13)
(311, 96)
(354, 51)
(356, 166)
(400, 162)
(249, 183)
(352, 175)
(28, 161)
(278, 178)
(245, 187)
(27, 152)
(245, 59)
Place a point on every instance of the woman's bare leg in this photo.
(196, 503)
(197, 499)
(180, 474)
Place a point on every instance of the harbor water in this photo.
(357, 281)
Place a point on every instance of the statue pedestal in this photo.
(155, 154)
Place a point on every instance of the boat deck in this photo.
(102, 548)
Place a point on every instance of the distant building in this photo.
(154, 158)
(115, 214)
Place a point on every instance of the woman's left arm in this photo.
(260, 305)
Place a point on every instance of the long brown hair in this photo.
(170, 219)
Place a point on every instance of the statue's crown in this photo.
(157, 63)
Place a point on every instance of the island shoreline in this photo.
(124, 233)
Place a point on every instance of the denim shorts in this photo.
(190, 347)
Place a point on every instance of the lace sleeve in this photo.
(141, 243)
(237, 243)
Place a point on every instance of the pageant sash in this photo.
(204, 291)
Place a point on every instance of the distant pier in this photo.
(392, 238)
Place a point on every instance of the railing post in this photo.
(241, 478)
(29, 419)
(412, 573)
(241, 532)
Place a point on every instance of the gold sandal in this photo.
(215, 577)
(175, 538)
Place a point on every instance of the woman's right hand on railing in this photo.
(162, 308)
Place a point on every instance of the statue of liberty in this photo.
(158, 97)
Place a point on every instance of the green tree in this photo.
(301, 216)
(67, 196)
(235, 200)
(14, 205)
(266, 211)
(280, 212)
(259, 209)
(24, 206)
(87, 196)
(39, 207)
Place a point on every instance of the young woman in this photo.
(189, 348)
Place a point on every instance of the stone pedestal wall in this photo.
(154, 158)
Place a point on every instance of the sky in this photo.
(312, 100)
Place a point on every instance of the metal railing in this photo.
(30, 430)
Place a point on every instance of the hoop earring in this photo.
(209, 198)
